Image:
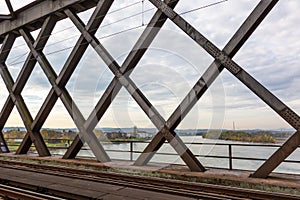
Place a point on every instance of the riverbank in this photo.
(258, 137)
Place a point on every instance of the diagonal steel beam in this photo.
(6, 47)
(278, 157)
(130, 62)
(10, 8)
(70, 65)
(232, 66)
(5, 112)
(59, 88)
(74, 112)
(236, 42)
(9, 104)
(23, 78)
(27, 69)
(92, 26)
(3, 145)
(270, 99)
(72, 61)
(22, 108)
(146, 106)
(4, 52)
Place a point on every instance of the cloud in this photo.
(174, 63)
(16, 4)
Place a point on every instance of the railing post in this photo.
(230, 156)
(131, 150)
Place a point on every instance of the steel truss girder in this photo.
(276, 104)
(24, 112)
(213, 71)
(22, 79)
(58, 83)
(33, 15)
(26, 71)
(53, 11)
(16, 88)
(122, 77)
(114, 87)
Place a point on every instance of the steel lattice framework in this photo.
(44, 14)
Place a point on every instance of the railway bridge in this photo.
(40, 18)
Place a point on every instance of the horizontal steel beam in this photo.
(5, 17)
(34, 14)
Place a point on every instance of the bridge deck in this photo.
(80, 188)
(285, 183)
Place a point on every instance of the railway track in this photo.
(175, 187)
(9, 192)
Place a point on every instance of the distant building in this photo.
(135, 131)
(144, 134)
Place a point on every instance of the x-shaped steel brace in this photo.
(23, 110)
(236, 42)
(225, 60)
(122, 77)
(114, 87)
(206, 80)
(16, 88)
(58, 82)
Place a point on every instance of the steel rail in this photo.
(9, 192)
(177, 187)
(114, 181)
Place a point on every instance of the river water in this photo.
(211, 148)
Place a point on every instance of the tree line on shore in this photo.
(261, 137)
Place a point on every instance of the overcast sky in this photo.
(172, 66)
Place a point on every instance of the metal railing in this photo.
(64, 143)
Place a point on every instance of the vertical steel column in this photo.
(230, 156)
